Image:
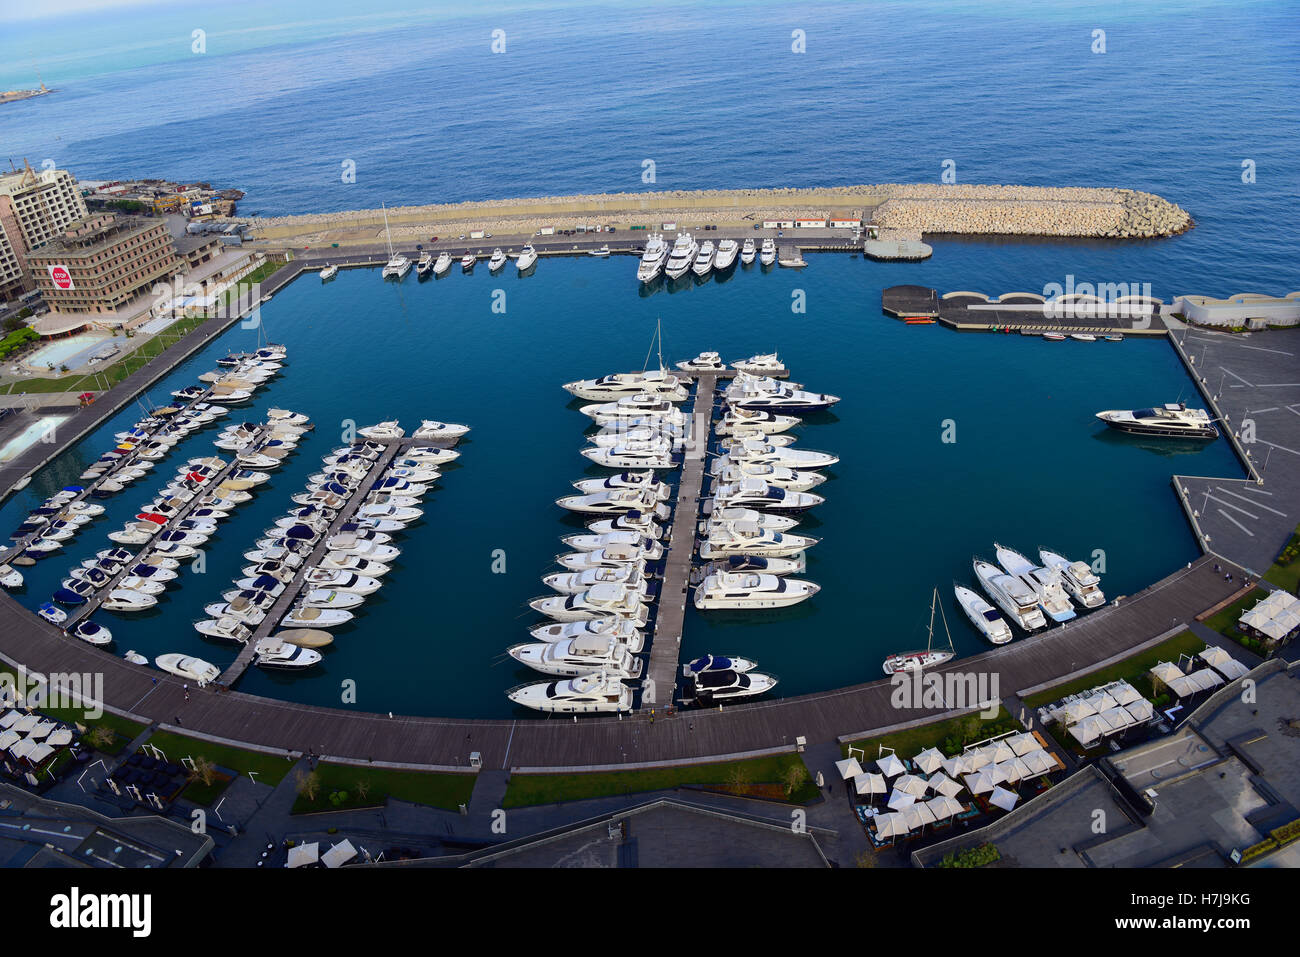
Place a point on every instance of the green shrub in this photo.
(972, 857)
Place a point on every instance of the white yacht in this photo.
(92, 633)
(594, 542)
(745, 591)
(634, 454)
(793, 258)
(641, 523)
(761, 395)
(588, 694)
(382, 431)
(653, 259)
(621, 480)
(725, 257)
(983, 615)
(768, 364)
(610, 388)
(398, 265)
(754, 422)
(717, 685)
(1010, 594)
(615, 502)
(731, 473)
(442, 264)
(1171, 420)
(578, 656)
(749, 538)
(1045, 582)
(498, 260)
(10, 577)
(704, 362)
(720, 516)
(328, 273)
(598, 601)
(682, 257)
(309, 617)
(703, 264)
(342, 581)
(920, 660)
(274, 652)
(430, 430)
(613, 556)
(767, 255)
(527, 258)
(226, 627)
(124, 599)
(186, 666)
(425, 264)
(1078, 578)
(618, 629)
(613, 435)
(601, 253)
(755, 493)
(467, 262)
(637, 405)
(574, 583)
(760, 450)
(748, 252)
(758, 564)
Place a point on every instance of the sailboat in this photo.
(398, 265)
(919, 660)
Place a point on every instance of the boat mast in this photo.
(387, 231)
(943, 616)
(930, 641)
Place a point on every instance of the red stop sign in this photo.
(62, 278)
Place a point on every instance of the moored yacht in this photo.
(497, 261)
(682, 256)
(1010, 594)
(983, 615)
(704, 362)
(467, 262)
(725, 257)
(1078, 578)
(425, 265)
(613, 555)
(618, 629)
(755, 493)
(527, 258)
(703, 264)
(398, 265)
(1045, 582)
(442, 264)
(749, 538)
(623, 538)
(1171, 420)
(653, 259)
(587, 694)
(574, 583)
(610, 388)
(275, 652)
(186, 666)
(767, 255)
(328, 273)
(599, 600)
(746, 590)
(748, 252)
(716, 686)
(615, 501)
(585, 655)
(635, 454)
(732, 472)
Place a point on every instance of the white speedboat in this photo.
(1171, 420)
(329, 598)
(467, 262)
(748, 252)
(387, 513)
(733, 472)
(123, 599)
(653, 259)
(135, 658)
(601, 253)
(226, 627)
(704, 362)
(761, 450)
(52, 613)
(588, 694)
(749, 538)
(91, 632)
(725, 257)
(610, 388)
(749, 591)
(573, 583)
(767, 255)
(186, 666)
(983, 616)
(682, 256)
(578, 656)
(618, 629)
(353, 545)
(527, 258)
(1078, 578)
(615, 502)
(343, 581)
(611, 436)
(442, 264)
(703, 264)
(498, 260)
(431, 430)
(612, 556)
(1045, 582)
(425, 265)
(344, 561)
(309, 617)
(275, 652)
(716, 686)
(328, 273)
(10, 577)
(1012, 595)
(755, 493)
(598, 601)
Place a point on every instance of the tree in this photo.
(101, 737)
(363, 789)
(794, 777)
(204, 771)
(308, 785)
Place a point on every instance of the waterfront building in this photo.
(104, 262)
(35, 207)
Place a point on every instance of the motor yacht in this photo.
(1078, 578)
(599, 600)
(717, 686)
(497, 261)
(601, 253)
(467, 262)
(578, 656)
(52, 613)
(308, 616)
(749, 538)
(721, 515)
(758, 564)
(749, 394)
(329, 598)
(10, 577)
(344, 561)
(226, 627)
(342, 581)
(983, 616)
(573, 583)
(792, 258)
(442, 264)
(615, 502)
(328, 273)
(725, 258)
(383, 431)
(431, 430)
(1012, 595)
(704, 362)
(527, 258)
(653, 259)
(755, 493)
(752, 423)
(635, 454)
(642, 405)
(625, 480)
(766, 364)
(186, 666)
(1045, 582)
(746, 590)
(767, 255)
(682, 256)
(761, 450)
(642, 523)
(272, 652)
(587, 694)
(91, 632)
(706, 663)
(610, 388)
(731, 473)
(1171, 420)
(123, 599)
(613, 555)
(748, 251)
(618, 629)
(425, 265)
(389, 513)
(611, 436)
(703, 264)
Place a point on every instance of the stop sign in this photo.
(61, 277)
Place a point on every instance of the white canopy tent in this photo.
(955, 766)
(1023, 743)
(910, 784)
(900, 801)
(929, 760)
(8, 739)
(890, 826)
(1124, 693)
(848, 768)
(1039, 762)
(890, 766)
(42, 730)
(39, 752)
(1013, 770)
(60, 738)
(1087, 731)
(868, 783)
(1003, 798)
(1223, 663)
(944, 807)
(339, 854)
(9, 719)
(979, 783)
(942, 785)
(918, 816)
(303, 854)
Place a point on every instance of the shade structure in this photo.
(39, 752)
(8, 739)
(977, 758)
(9, 718)
(943, 807)
(1075, 711)
(929, 760)
(848, 768)
(1166, 671)
(995, 773)
(1087, 731)
(1117, 718)
(1102, 702)
(1124, 693)
(339, 854)
(889, 826)
(1216, 658)
(26, 723)
(1000, 752)
(1003, 798)
(60, 738)
(979, 783)
(1013, 770)
(870, 784)
(917, 816)
(22, 748)
(1023, 743)
(900, 800)
(955, 766)
(943, 785)
(304, 854)
(910, 784)
(1039, 762)
(42, 730)
(890, 766)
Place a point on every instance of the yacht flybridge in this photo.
(1171, 420)
(929, 658)
(1045, 582)
(583, 655)
(703, 264)
(682, 256)
(1010, 594)
(726, 254)
(588, 694)
(398, 265)
(745, 590)
(1078, 578)
(748, 252)
(767, 255)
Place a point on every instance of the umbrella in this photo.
(1039, 762)
(42, 730)
(900, 800)
(1003, 798)
(8, 719)
(889, 765)
(1124, 693)
(1140, 710)
(977, 758)
(22, 748)
(943, 785)
(848, 768)
(955, 766)
(304, 854)
(943, 807)
(910, 784)
(917, 816)
(995, 773)
(978, 783)
(339, 854)
(890, 826)
(1014, 770)
(870, 784)
(8, 739)
(1022, 743)
(26, 723)
(929, 760)
(1001, 752)
(1085, 732)
(1076, 711)
(39, 753)
(59, 738)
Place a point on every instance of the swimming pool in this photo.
(72, 352)
(29, 436)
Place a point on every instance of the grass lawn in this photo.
(1225, 621)
(1287, 575)
(341, 787)
(270, 768)
(124, 731)
(1133, 669)
(949, 735)
(206, 794)
(529, 789)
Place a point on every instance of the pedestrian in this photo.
(1217, 569)
(652, 715)
(186, 689)
(178, 719)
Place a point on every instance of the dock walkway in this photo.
(665, 647)
(295, 586)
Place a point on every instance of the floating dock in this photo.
(1026, 313)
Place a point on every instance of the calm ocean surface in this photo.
(583, 94)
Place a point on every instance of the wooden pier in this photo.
(295, 585)
(665, 646)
